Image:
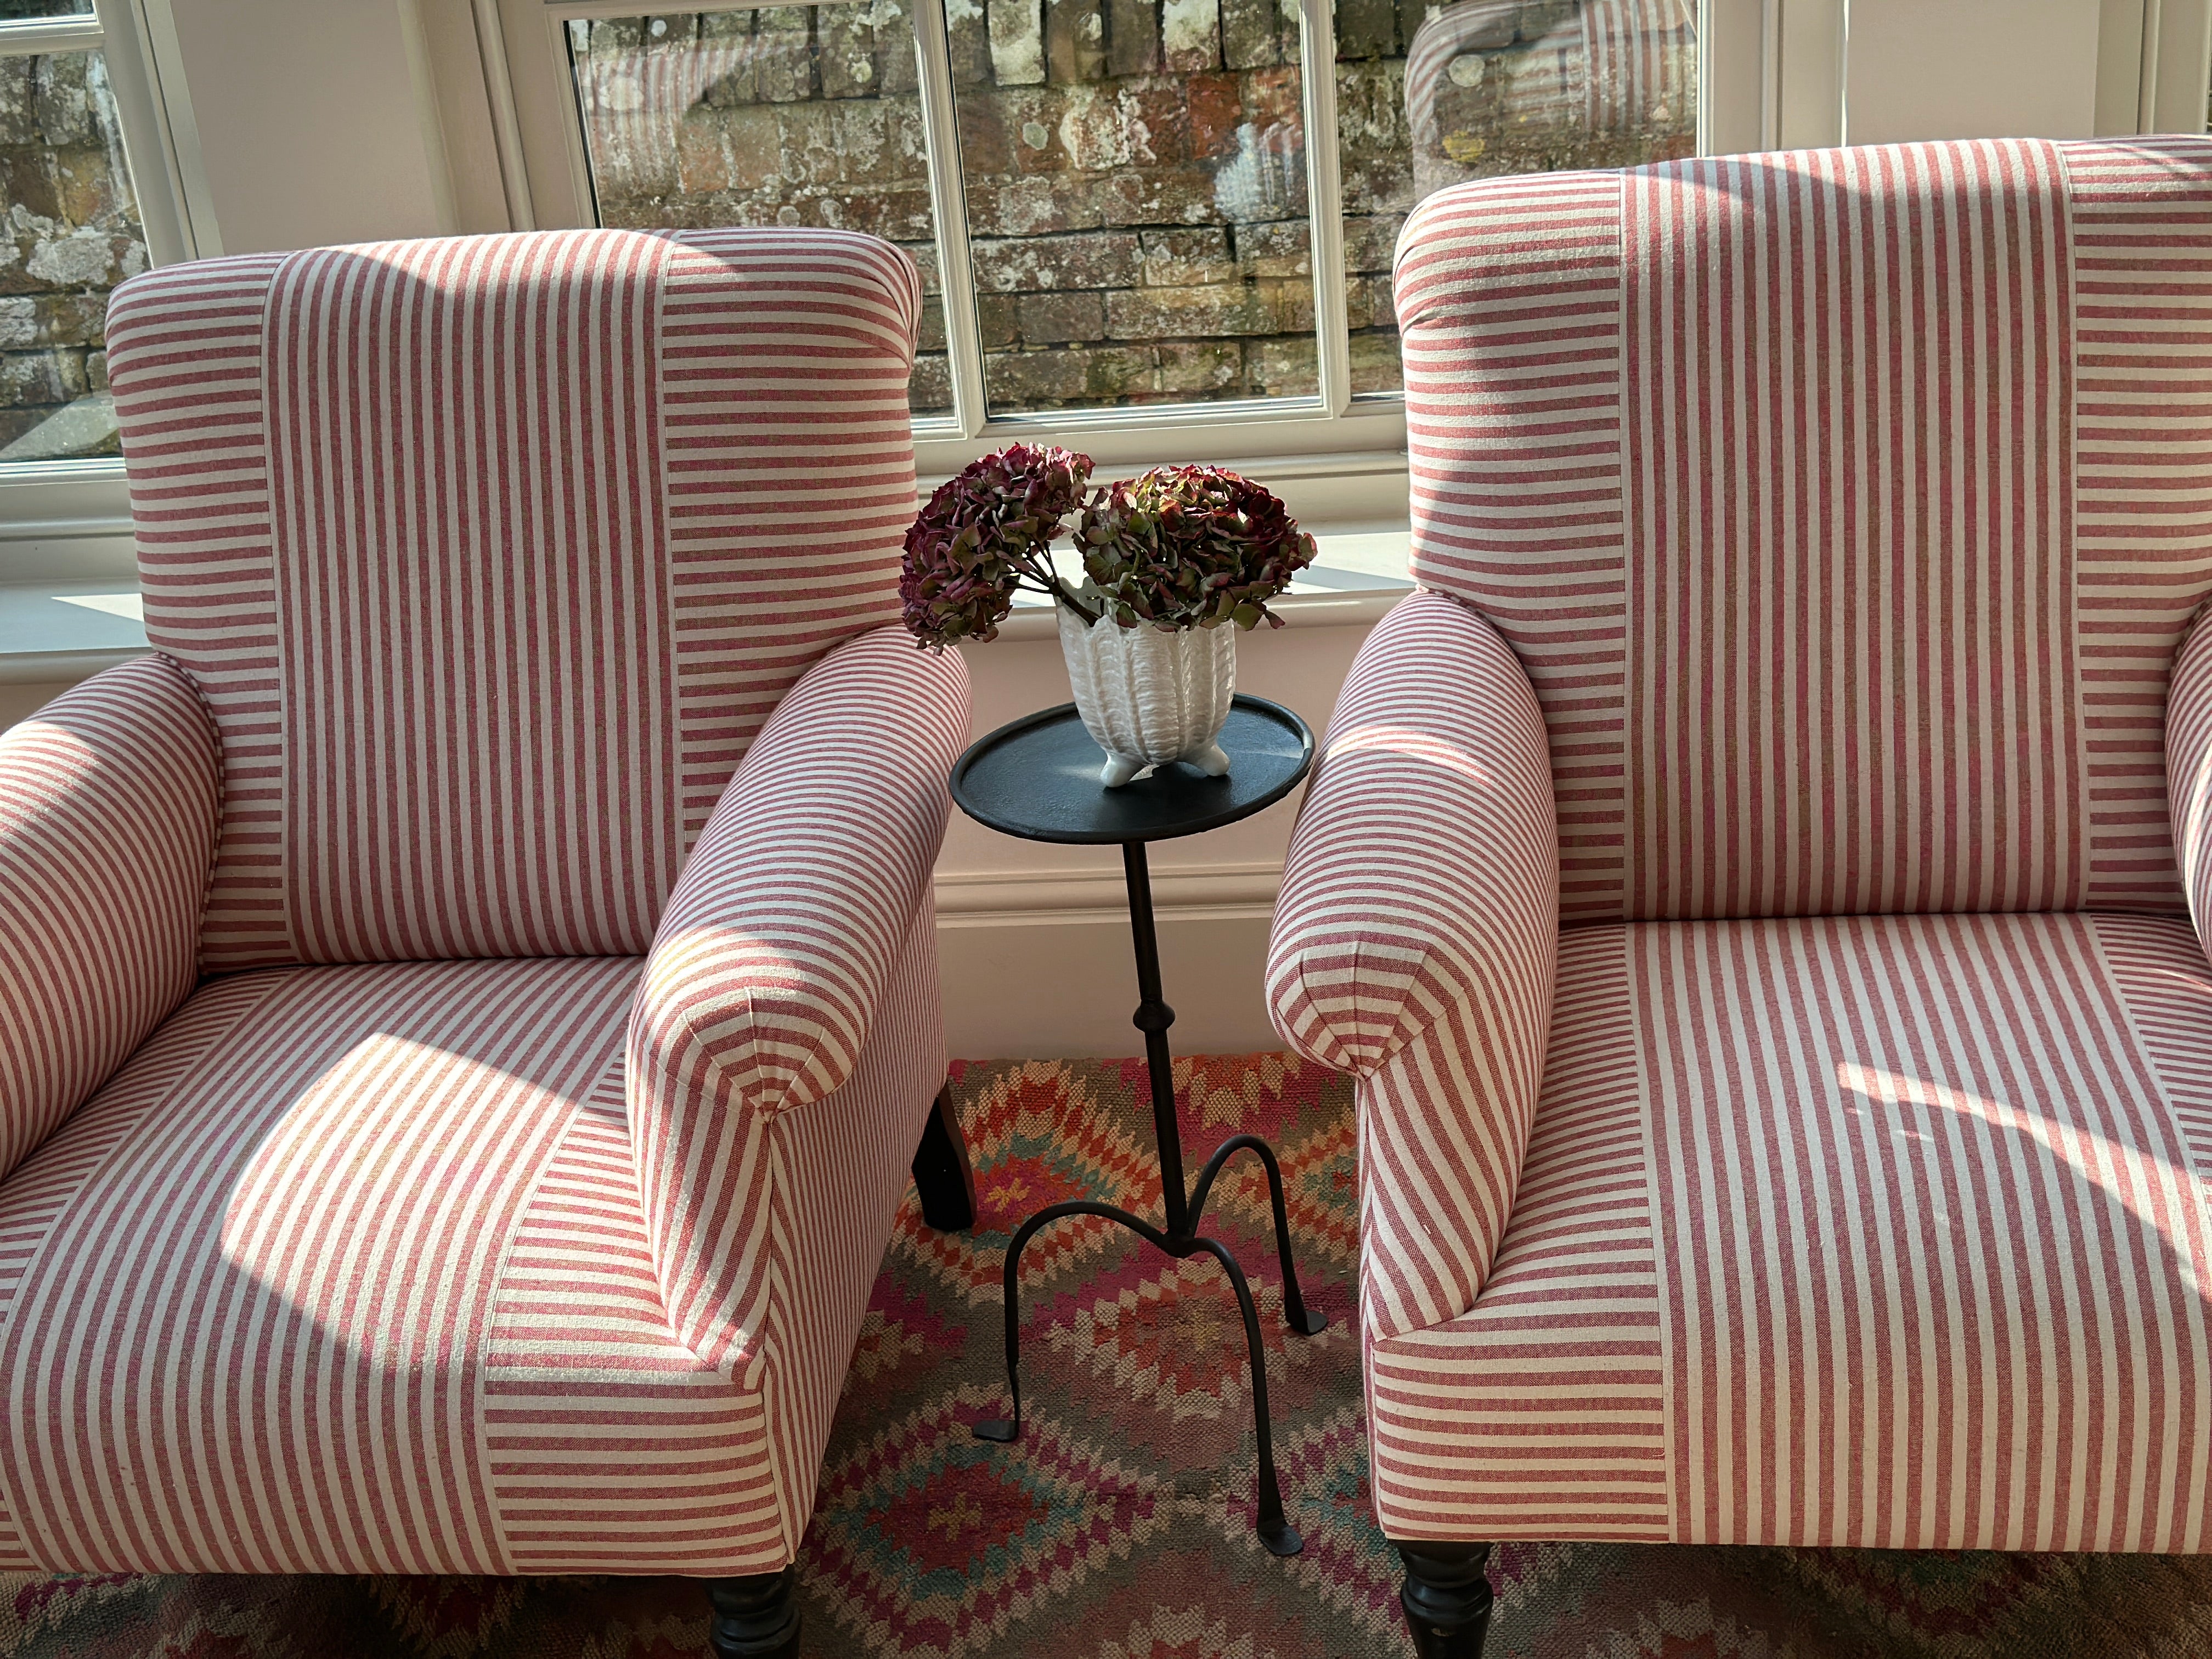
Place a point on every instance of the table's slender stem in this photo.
(1152, 1018)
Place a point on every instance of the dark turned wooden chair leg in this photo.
(1446, 1598)
(754, 1618)
(941, 1174)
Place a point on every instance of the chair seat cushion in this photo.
(346, 1271)
(1880, 1231)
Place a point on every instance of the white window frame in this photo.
(47, 508)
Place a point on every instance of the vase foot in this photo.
(1210, 760)
(1118, 771)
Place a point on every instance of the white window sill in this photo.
(55, 630)
(68, 606)
(1359, 574)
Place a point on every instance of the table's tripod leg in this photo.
(1275, 1530)
(1301, 1320)
(1008, 1429)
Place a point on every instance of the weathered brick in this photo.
(1179, 258)
(1017, 41)
(1208, 313)
(1539, 18)
(19, 117)
(1190, 35)
(1074, 41)
(999, 320)
(1412, 14)
(736, 79)
(930, 387)
(1286, 367)
(929, 335)
(1365, 28)
(1282, 249)
(1046, 264)
(28, 378)
(1133, 37)
(1032, 207)
(1251, 34)
(90, 190)
(897, 66)
(30, 180)
(844, 49)
(51, 319)
(1062, 375)
(703, 162)
(1200, 369)
(897, 214)
(1370, 241)
(1158, 195)
(1102, 131)
(786, 74)
(82, 258)
(924, 255)
(1375, 363)
(1059, 318)
(968, 36)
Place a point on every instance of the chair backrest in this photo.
(1846, 508)
(490, 554)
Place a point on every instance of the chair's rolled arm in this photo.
(772, 958)
(2189, 772)
(110, 801)
(1416, 944)
(1424, 871)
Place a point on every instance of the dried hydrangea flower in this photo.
(1190, 547)
(985, 533)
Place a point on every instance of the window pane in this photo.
(786, 115)
(1429, 96)
(14, 11)
(72, 235)
(1136, 184)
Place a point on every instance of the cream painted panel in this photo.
(1970, 69)
(312, 129)
(1034, 939)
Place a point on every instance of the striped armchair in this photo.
(468, 1002)
(1752, 881)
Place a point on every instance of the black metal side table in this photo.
(1038, 778)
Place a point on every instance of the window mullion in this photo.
(948, 200)
(39, 37)
(1325, 205)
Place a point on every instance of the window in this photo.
(1123, 227)
(72, 231)
(786, 115)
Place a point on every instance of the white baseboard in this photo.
(1038, 964)
(1025, 899)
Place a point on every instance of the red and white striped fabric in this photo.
(1435, 761)
(347, 1271)
(1610, 66)
(1880, 1231)
(771, 962)
(486, 563)
(491, 554)
(107, 824)
(1846, 512)
(1845, 508)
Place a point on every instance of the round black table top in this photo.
(1038, 778)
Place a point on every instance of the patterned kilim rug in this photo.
(1120, 1526)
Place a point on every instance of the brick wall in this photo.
(1135, 169)
(70, 235)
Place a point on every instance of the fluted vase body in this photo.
(1148, 697)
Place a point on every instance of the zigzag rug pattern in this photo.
(1120, 1527)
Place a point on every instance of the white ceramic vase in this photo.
(1148, 697)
